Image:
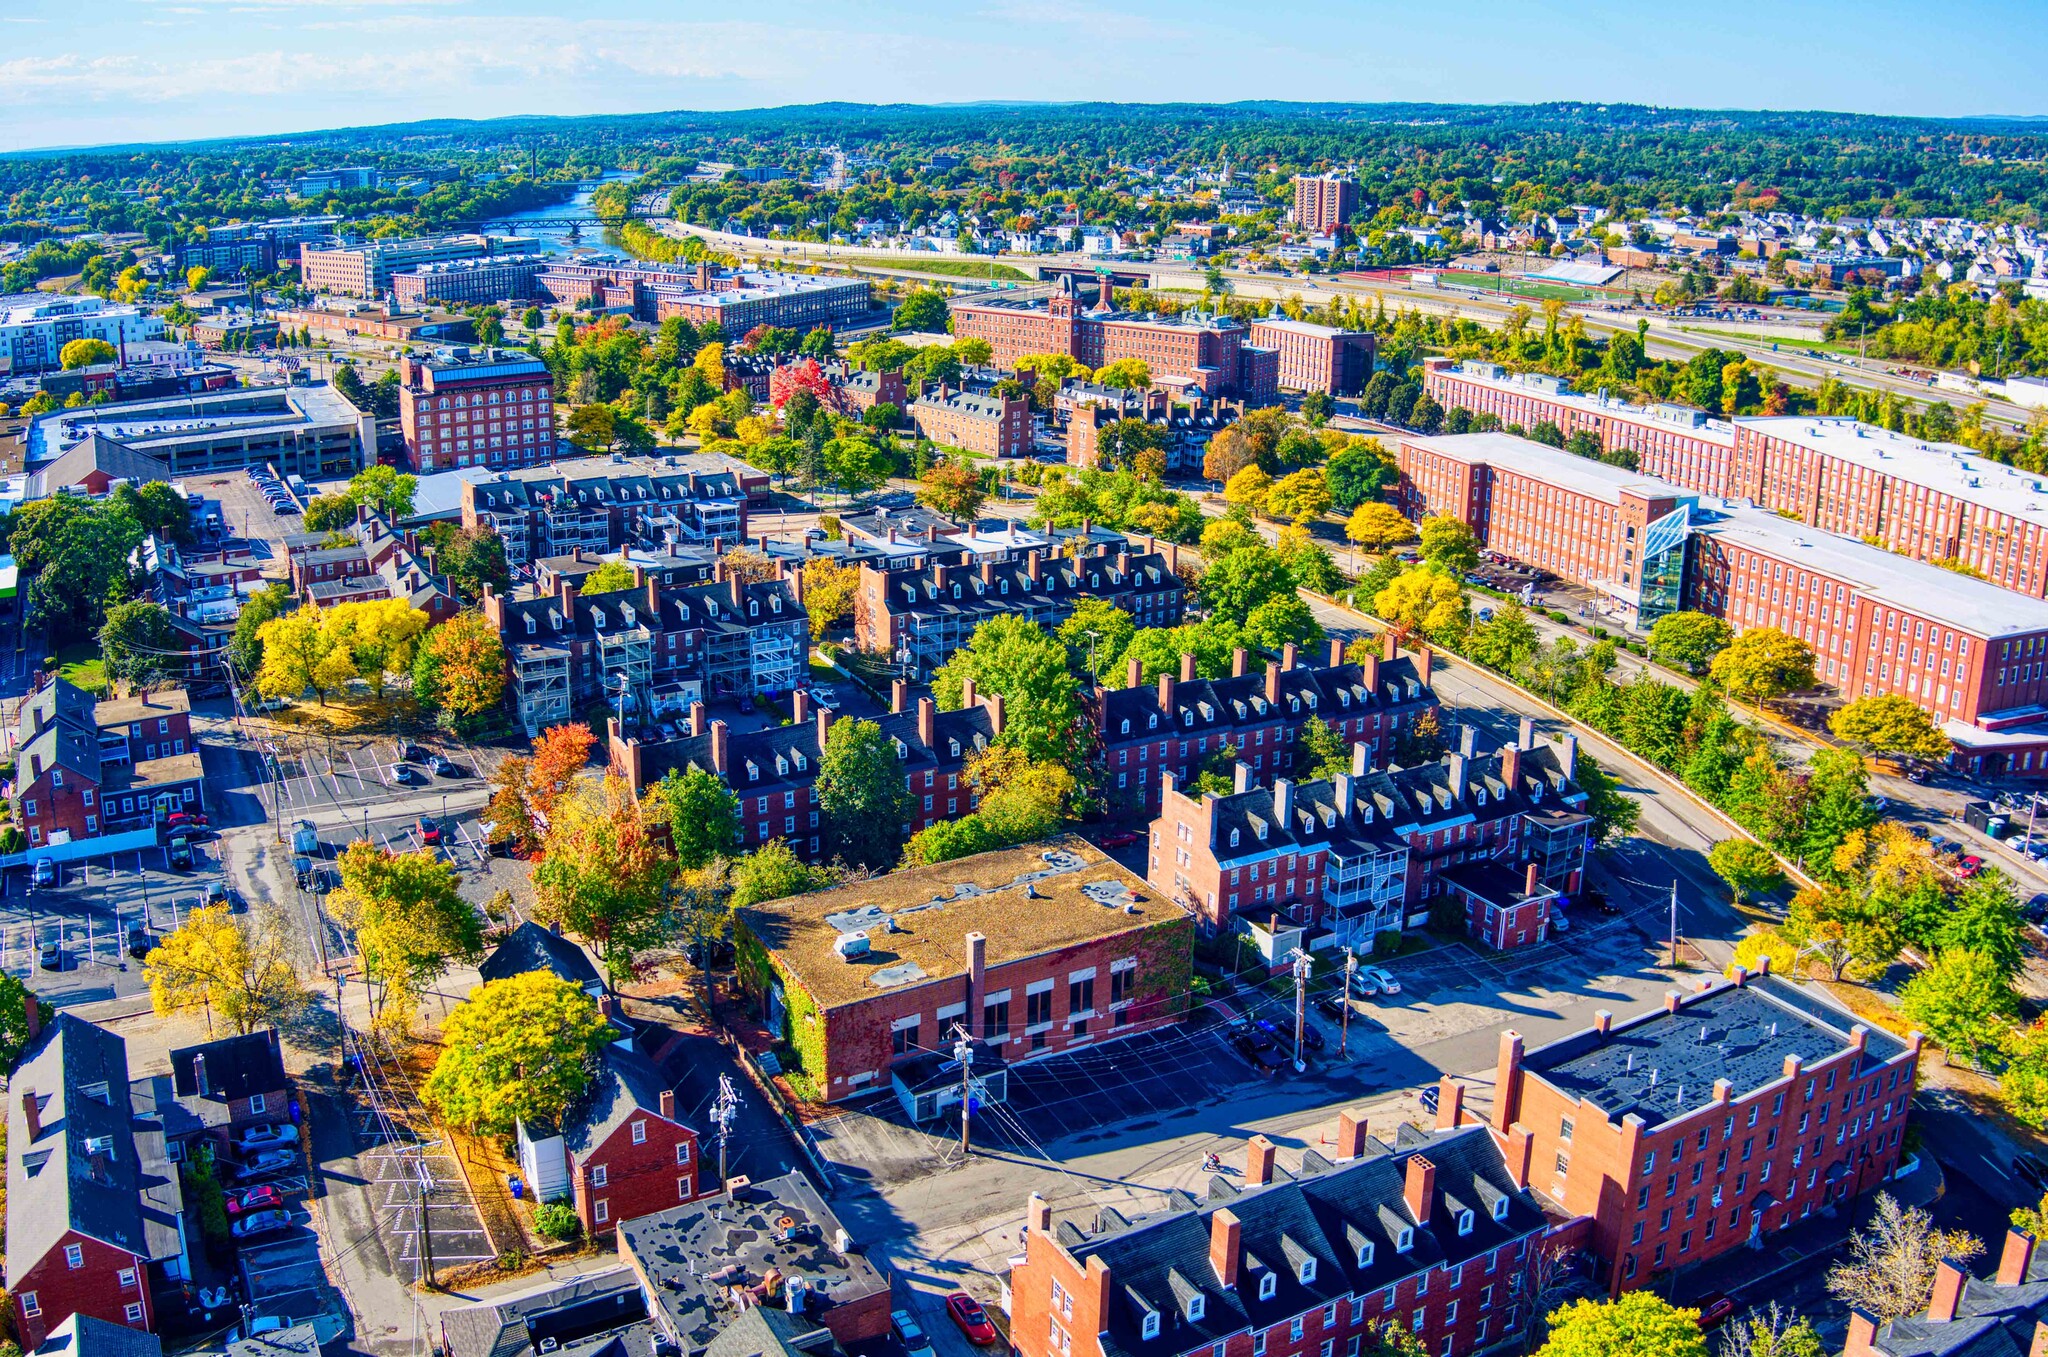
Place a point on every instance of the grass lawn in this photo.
(948, 267)
(79, 663)
(1828, 345)
(1514, 286)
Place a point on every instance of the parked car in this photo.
(1715, 1309)
(265, 1137)
(1363, 986)
(2036, 909)
(141, 942)
(406, 774)
(1258, 1048)
(413, 753)
(261, 1222)
(1428, 1098)
(2030, 1167)
(1121, 838)
(181, 855)
(429, 831)
(1331, 1006)
(1559, 924)
(263, 1197)
(214, 893)
(1969, 866)
(50, 956)
(1381, 977)
(910, 1335)
(443, 767)
(966, 1311)
(264, 1163)
(45, 872)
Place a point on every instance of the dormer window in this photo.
(1365, 1253)
(1306, 1273)
(953, 747)
(1197, 1306)
(1311, 701)
(801, 762)
(1500, 1208)
(1294, 704)
(1126, 727)
(1233, 838)
(1464, 1223)
(1269, 1284)
(1152, 721)
(753, 607)
(1003, 586)
(1479, 795)
(775, 603)
(530, 627)
(597, 618)
(1149, 1326)
(1404, 1242)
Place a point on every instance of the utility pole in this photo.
(722, 1114)
(1350, 969)
(1674, 922)
(426, 1225)
(1302, 966)
(963, 1051)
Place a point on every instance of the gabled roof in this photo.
(498, 1328)
(627, 1085)
(234, 1067)
(96, 452)
(530, 947)
(82, 1335)
(1325, 1214)
(94, 1166)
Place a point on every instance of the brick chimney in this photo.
(668, 1104)
(1241, 775)
(927, 722)
(1187, 667)
(721, 752)
(1037, 1214)
(1521, 1148)
(1336, 651)
(1603, 1022)
(1511, 767)
(1389, 647)
(1424, 658)
(33, 1111)
(1507, 1072)
(967, 694)
(1239, 662)
(1350, 1133)
(977, 969)
(1419, 1191)
(824, 725)
(994, 703)
(1531, 879)
(654, 596)
(1134, 672)
(2012, 1264)
(799, 707)
(2039, 1346)
(1258, 1162)
(1948, 1292)
(1862, 1335)
(1369, 675)
(1225, 1246)
(33, 1012)
(1450, 1103)
(1272, 681)
(1166, 687)
(899, 694)
(565, 596)
(1290, 654)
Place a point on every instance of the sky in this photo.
(76, 73)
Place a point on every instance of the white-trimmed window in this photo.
(600, 1176)
(602, 1212)
(74, 1256)
(1269, 1282)
(640, 1137)
(683, 1152)
(133, 1311)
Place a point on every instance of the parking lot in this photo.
(245, 512)
(308, 773)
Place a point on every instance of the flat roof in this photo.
(1682, 418)
(1304, 327)
(1026, 901)
(1947, 468)
(1973, 605)
(1552, 466)
(1662, 1065)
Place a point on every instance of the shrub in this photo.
(557, 1220)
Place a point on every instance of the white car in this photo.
(910, 1334)
(264, 1137)
(1381, 977)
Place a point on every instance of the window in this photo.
(1500, 1208)
(74, 1255)
(133, 1311)
(1364, 1260)
(1196, 1306)
(30, 1306)
(1269, 1282)
(1038, 1007)
(1405, 1240)
(1081, 995)
(602, 1212)
(256, 1104)
(599, 1176)
(683, 1153)
(127, 1277)
(1149, 1328)
(1258, 1345)
(640, 1132)
(995, 1020)
(1307, 1271)
(903, 1040)
(1295, 1328)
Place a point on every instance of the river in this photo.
(560, 239)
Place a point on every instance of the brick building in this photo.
(2003, 1315)
(920, 615)
(495, 278)
(774, 772)
(736, 300)
(1181, 720)
(1673, 442)
(1053, 947)
(86, 768)
(994, 426)
(224, 1087)
(365, 269)
(1337, 861)
(1434, 1233)
(379, 562)
(484, 408)
(600, 506)
(621, 1152)
(1206, 355)
(1725, 1116)
(1323, 202)
(1318, 357)
(652, 649)
(1187, 427)
(95, 1219)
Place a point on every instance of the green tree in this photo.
(85, 353)
(2023, 1088)
(1222, 536)
(593, 426)
(1098, 630)
(245, 647)
(1028, 667)
(863, 803)
(1449, 543)
(1234, 586)
(158, 509)
(1747, 866)
(1635, 1324)
(923, 311)
(703, 816)
(1299, 497)
(1984, 917)
(1891, 724)
(1128, 374)
(409, 920)
(774, 872)
(610, 578)
(329, 513)
(952, 488)
(385, 489)
(1837, 801)
(76, 553)
(1504, 641)
(1772, 1332)
(137, 642)
(1763, 663)
(1962, 1000)
(1281, 621)
(1614, 811)
(1689, 640)
(1359, 474)
(13, 1019)
(521, 1049)
(1320, 752)
(459, 671)
(237, 967)
(1124, 442)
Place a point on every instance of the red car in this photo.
(1715, 1310)
(1969, 866)
(430, 831)
(185, 817)
(972, 1319)
(263, 1198)
(1120, 838)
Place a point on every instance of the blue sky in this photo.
(132, 70)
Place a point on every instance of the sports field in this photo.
(1514, 285)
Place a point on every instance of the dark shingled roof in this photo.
(1991, 1320)
(235, 1067)
(85, 1336)
(500, 1328)
(762, 1332)
(530, 947)
(1328, 1214)
(1663, 1065)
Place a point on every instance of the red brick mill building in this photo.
(1028, 951)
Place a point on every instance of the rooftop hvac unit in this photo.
(851, 945)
